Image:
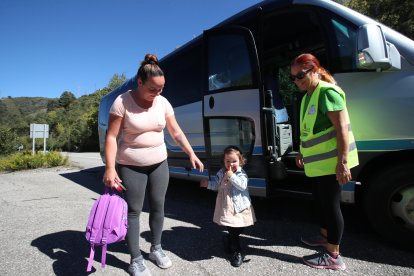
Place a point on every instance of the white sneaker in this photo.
(138, 267)
(159, 257)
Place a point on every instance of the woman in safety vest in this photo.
(327, 152)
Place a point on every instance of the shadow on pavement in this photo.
(70, 251)
(280, 222)
(89, 178)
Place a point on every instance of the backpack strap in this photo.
(107, 226)
(98, 222)
(102, 221)
(103, 257)
(113, 208)
(91, 256)
(99, 218)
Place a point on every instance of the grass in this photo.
(26, 160)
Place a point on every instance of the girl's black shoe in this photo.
(236, 259)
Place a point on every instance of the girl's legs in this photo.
(234, 236)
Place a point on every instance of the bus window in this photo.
(346, 46)
(271, 83)
(287, 34)
(183, 65)
(227, 67)
(231, 131)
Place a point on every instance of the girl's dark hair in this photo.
(149, 68)
(308, 61)
(237, 151)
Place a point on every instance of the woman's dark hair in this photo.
(237, 151)
(149, 68)
(308, 61)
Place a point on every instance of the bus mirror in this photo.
(394, 56)
(374, 52)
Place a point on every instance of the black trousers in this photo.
(327, 194)
(234, 236)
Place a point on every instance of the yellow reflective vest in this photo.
(319, 150)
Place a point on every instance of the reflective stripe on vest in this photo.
(319, 150)
(326, 155)
(325, 137)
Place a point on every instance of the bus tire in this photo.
(389, 204)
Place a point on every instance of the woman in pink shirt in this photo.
(135, 146)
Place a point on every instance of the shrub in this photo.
(25, 160)
(8, 140)
(54, 159)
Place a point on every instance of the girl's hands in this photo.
(230, 170)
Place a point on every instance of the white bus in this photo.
(231, 85)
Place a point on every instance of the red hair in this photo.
(307, 61)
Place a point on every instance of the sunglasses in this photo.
(300, 75)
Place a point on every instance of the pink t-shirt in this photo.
(141, 139)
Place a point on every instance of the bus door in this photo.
(232, 101)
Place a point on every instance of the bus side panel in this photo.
(380, 105)
(189, 117)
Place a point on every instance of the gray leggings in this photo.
(136, 180)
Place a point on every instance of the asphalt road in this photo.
(44, 212)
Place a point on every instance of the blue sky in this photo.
(51, 46)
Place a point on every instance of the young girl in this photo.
(233, 204)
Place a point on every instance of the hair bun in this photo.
(150, 59)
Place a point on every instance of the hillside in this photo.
(21, 107)
(73, 122)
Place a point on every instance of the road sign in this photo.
(39, 131)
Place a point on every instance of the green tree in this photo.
(8, 141)
(66, 99)
(52, 104)
(116, 81)
(73, 123)
(397, 14)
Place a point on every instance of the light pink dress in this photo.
(224, 213)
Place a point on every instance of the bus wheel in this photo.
(389, 204)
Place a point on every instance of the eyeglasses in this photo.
(300, 75)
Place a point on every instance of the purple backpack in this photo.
(107, 223)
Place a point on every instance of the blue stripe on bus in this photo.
(368, 145)
(174, 148)
(253, 182)
(178, 149)
(385, 145)
(257, 183)
(257, 151)
(180, 170)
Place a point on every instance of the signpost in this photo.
(39, 131)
